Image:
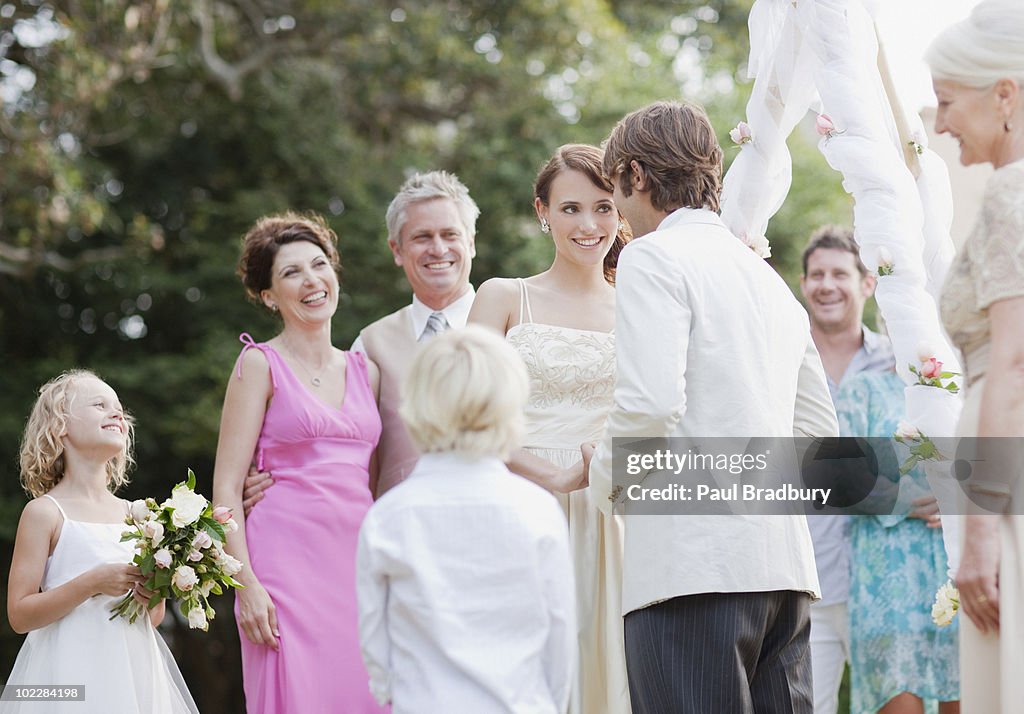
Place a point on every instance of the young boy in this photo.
(463, 573)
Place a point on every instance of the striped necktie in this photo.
(436, 324)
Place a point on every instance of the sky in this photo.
(906, 28)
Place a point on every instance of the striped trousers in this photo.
(721, 653)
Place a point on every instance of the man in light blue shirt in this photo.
(835, 285)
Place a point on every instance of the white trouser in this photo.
(830, 650)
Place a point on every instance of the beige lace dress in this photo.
(990, 268)
(572, 381)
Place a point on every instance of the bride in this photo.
(560, 321)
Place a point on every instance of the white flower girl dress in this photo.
(124, 668)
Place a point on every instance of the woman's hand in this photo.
(257, 615)
(114, 579)
(142, 596)
(978, 576)
(927, 509)
(155, 613)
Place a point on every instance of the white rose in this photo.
(206, 587)
(184, 578)
(154, 530)
(947, 602)
(188, 506)
(139, 511)
(197, 618)
(907, 431)
(229, 564)
(231, 526)
(195, 556)
(759, 244)
(162, 558)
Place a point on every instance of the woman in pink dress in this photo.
(307, 412)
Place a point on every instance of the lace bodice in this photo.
(989, 267)
(572, 382)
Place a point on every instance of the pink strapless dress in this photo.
(302, 543)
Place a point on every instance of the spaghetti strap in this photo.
(62, 513)
(524, 302)
(246, 339)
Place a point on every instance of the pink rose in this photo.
(184, 578)
(824, 125)
(222, 514)
(202, 541)
(931, 368)
(742, 134)
(195, 556)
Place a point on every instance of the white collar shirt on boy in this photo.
(459, 562)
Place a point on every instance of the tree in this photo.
(140, 138)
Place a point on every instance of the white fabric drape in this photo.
(823, 55)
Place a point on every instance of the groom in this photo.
(710, 343)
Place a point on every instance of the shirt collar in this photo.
(872, 340)
(456, 313)
(683, 216)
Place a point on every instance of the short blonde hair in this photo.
(42, 451)
(465, 393)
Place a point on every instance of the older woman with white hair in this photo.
(978, 71)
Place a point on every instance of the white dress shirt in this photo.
(456, 314)
(466, 596)
(710, 343)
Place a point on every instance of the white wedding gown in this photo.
(125, 668)
(572, 381)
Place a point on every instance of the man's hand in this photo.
(569, 479)
(256, 482)
(587, 449)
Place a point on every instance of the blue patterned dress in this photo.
(897, 564)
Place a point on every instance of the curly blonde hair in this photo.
(42, 450)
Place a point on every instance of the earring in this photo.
(273, 308)
(544, 227)
(1007, 126)
(622, 227)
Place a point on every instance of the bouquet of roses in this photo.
(180, 550)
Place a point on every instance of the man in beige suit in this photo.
(431, 226)
(431, 230)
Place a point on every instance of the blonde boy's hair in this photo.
(465, 393)
(42, 450)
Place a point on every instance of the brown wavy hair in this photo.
(268, 234)
(587, 160)
(42, 450)
(678, 150)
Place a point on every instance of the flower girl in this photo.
(69, 567)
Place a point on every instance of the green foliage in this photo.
(157, 131)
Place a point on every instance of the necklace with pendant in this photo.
(314, 379)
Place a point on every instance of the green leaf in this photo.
(162, 577)
(191, 483)
(215, 529)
